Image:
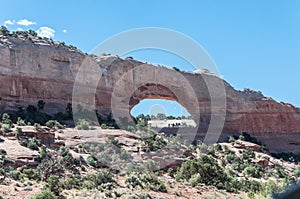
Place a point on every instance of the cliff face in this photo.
(36, 69)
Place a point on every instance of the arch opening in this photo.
(163, 113)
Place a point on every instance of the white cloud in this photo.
(9, 22)
(64, 31)
(45, 32)
(20, 29)
(25, 22)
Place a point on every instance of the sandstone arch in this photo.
(151, 91)
(28, 73)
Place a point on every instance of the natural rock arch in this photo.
(32, 71)
(151, 91)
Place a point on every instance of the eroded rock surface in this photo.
(38, 69)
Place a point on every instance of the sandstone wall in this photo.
(35, 70)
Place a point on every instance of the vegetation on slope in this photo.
(111, 170)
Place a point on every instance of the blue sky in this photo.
(255, 44)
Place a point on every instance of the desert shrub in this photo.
(3, 152)
(152, 141)
(63, 151)
(53, 124)
(6, 119)
(145, 180)
(6, 127)
(3, 30)
(43, 152)
(237, 164)
(218, 147)
(20, 122)
(248, 154)
(151, 165)
(33, 143)
(195, 179)
(48, 167)
(105, 126)
(133, 181)
(230, 157)
(53, 185)
(44, 194)
(208, 169)
(151, 181)
(104, 176)
(24, 142)
(110, 153)
(251, 186)
(83, 125)
(271, 187)
(38, 127)
(31, 174)
(2, 171)
(247, 137)
(253, 170)
(16, 175)
(297, 171)
(171, 172)
(279, 171)
(231, 139)
(68, 161)
(91, 160)
(18, 132)
(72, 182)
(242, 137)
(176, 69)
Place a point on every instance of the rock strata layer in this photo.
(38, 69)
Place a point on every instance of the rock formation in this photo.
(33, 69)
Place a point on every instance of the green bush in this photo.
(207, 167)
(44, 194)
(53, 185)
(231, 139)
(6, 128)
(218, 147)
(103, 176)
(15, 175)
(53, 124)
(31, 174)
(72, 182)
(38, 127)
(64, 151)
(20, 122)
(253, 170)
(6, 119)
(43, 152)
(297, 171)
(3, 152)
(152, 141)
(151, 181)
(91, 160)
(104, 126)
(33, 143)
(133, 181)
(18, 132)
(83, 125)
(4, 31)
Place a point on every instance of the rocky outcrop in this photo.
(38, 69)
